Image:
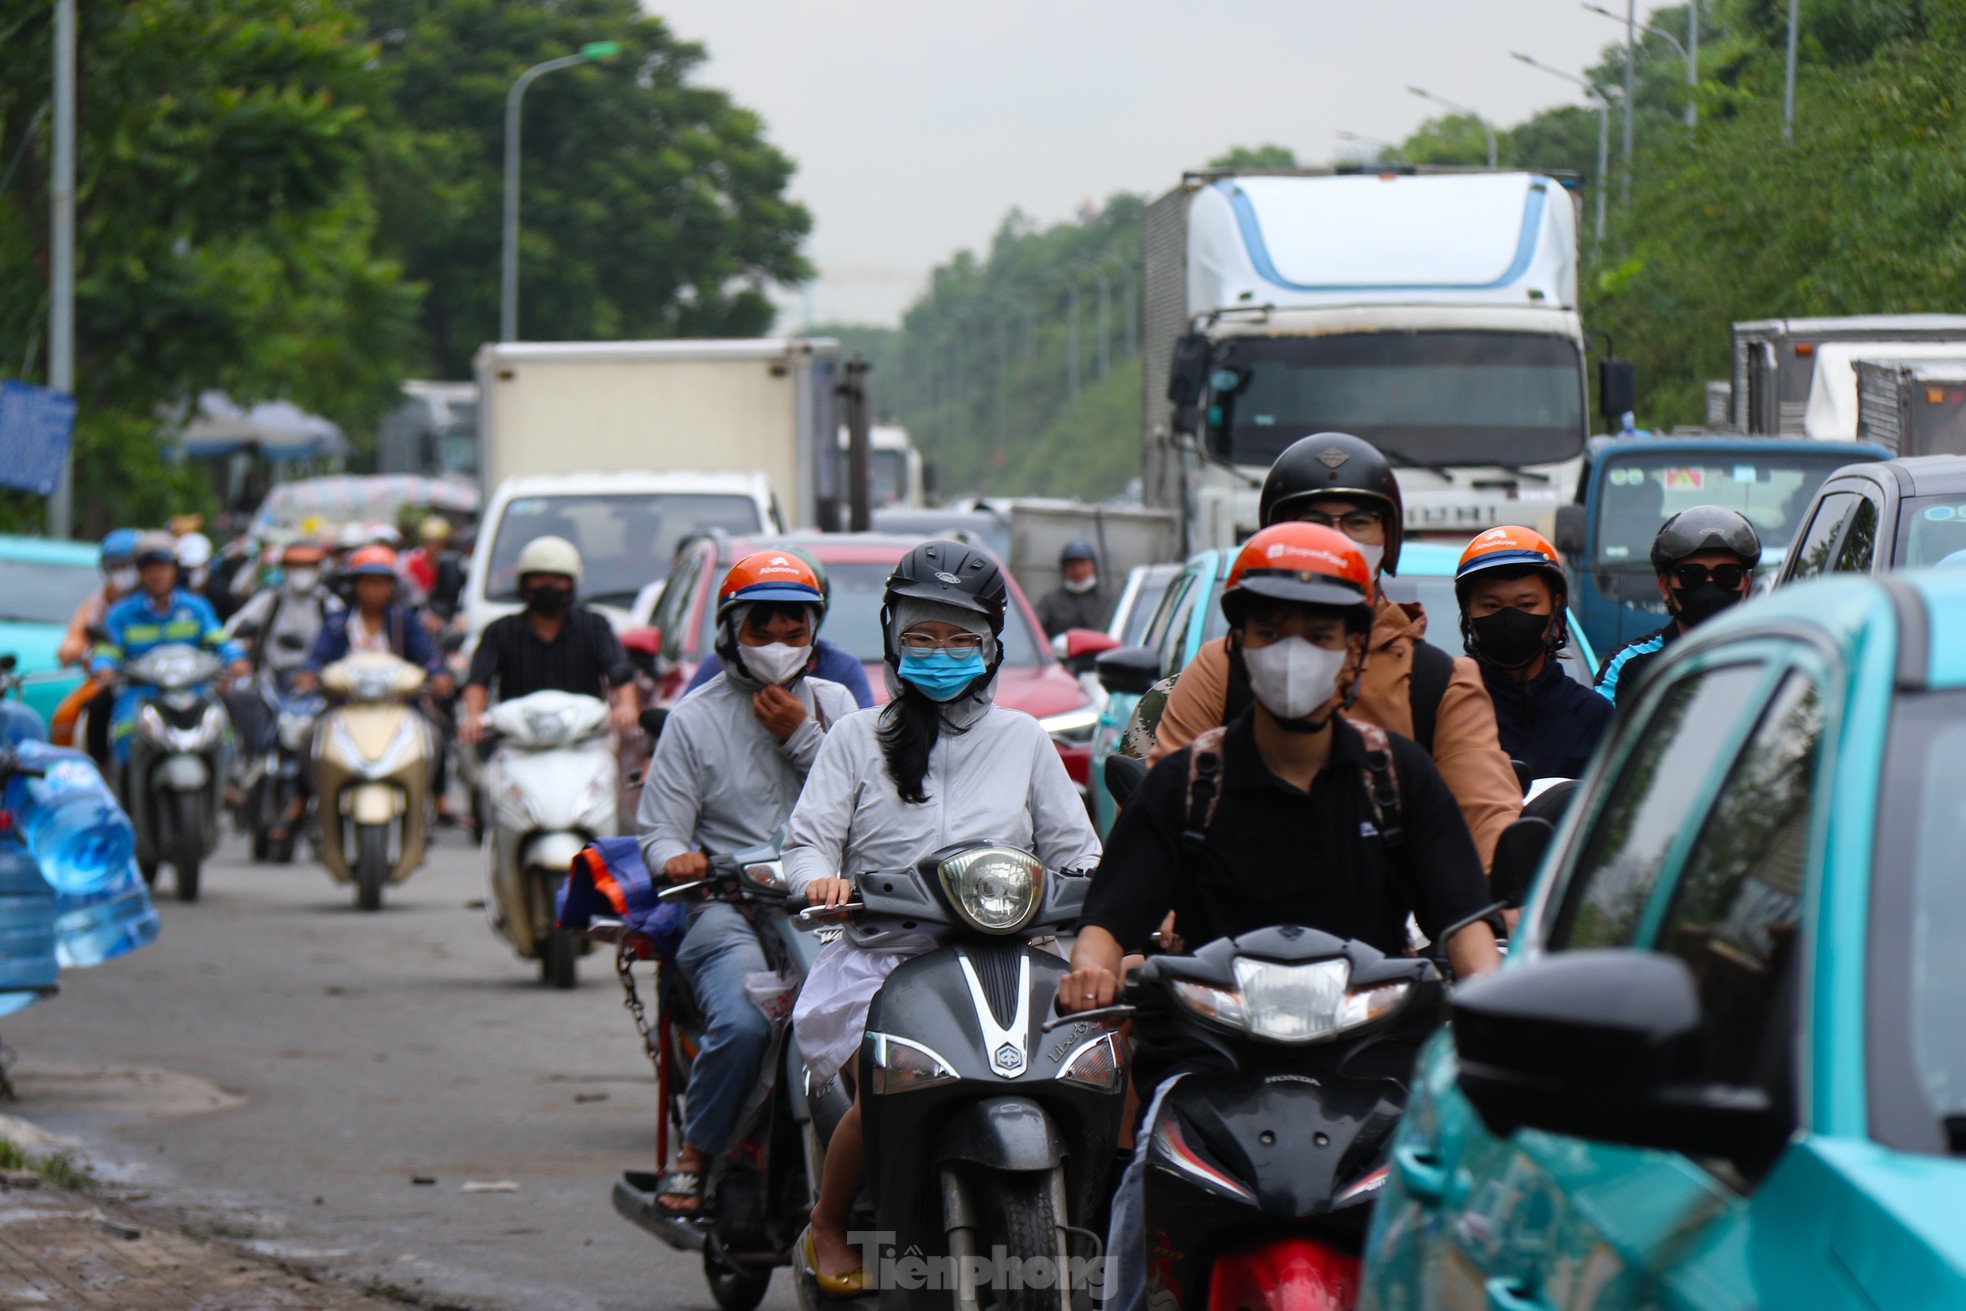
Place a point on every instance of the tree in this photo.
(1270, 156)
(652, 206)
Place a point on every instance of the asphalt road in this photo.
(279, 1067)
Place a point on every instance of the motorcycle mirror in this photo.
(8, 663)
(652, 721)
(247, 631)
(452, 643)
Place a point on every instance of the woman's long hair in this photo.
(911, 724)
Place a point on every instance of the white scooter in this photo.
(551, 786)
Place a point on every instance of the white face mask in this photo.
(1373, 555)
(123, 580)
(1292, 679)
(1082, 585)
(776, 662)
(302, 580)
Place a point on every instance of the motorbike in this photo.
(988, 1142)
(373, 774)
(169, 786)
(1262, 1166)
(552, 785)
(758, 1195)
(272, 776)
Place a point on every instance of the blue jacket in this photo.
(407, 639)
(1552, 723)
(835, 666)
(1625, 670)
(135, 626)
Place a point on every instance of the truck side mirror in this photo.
(1617, 388)
(1187, 371)
(1571, 530)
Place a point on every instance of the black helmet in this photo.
(948, 573)
(1334, 463)
(1705, 528)
(1078, 550)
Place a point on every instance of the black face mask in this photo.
(549, 601)
(1510, 639)
(1696, 605)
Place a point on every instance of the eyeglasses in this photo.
(1727, 577)
(922, 643)
(1351, 523)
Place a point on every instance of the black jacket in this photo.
(1552, 723)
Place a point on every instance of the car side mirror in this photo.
(641, 646)
(1617, 388)
(246, 631)
(1608, 1046)
(1572, 530)
(1187, 371)
(1127, 670)
(652, 721)
(1083, 646)
(9, 663)
(1518, 855)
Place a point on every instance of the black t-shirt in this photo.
(585, 658)
(1275, 855)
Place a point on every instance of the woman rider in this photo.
(939, 764)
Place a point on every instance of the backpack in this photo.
(1204, 792)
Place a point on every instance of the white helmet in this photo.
(194, 551)
(351, 536)
(550, 555)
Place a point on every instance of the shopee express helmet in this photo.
(1511, 548)
(1705, 528)
(951, 574)
(1334, 464)
(302, 554)
(119, 548)
(550, 555)
(372, 562)
(765, 578)
(1303, 564)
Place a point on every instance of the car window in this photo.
(1661, 791)
(1734, 912)
(1173, 644)
(1931, 530)
(1810, 554)
(1859, 540)
(1156, 634)
(672, 611)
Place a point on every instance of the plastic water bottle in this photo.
(70, 820)
(28, 964)
(100, 926)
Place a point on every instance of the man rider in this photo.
(1078, 601)
(552, 643)
(159, 614)
(119, 578)
(1514, 600)
(1705, 558)
(728, 767)
(1408, 687)
(288, 618)
(830, 662)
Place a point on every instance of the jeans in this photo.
(718, 950)
(1126, 1232)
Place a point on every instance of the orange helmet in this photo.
(372, 562)
(302, 553)
(1304, 563)
(1509, 547)
(770, 576)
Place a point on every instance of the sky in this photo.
(918, 124)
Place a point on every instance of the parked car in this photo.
(1870, 518)
(1146, 584)
(43, 581)
(1190, 616)
(1723, 1064)
(682, 631)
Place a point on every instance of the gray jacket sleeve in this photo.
(1060, 829)
(666, 814)
(816, 835)
(830, 703)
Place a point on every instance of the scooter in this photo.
(272, 778)
(758, 1196)
(1261, 1169)
(551, 786)
(988, 1141)
(169, 785)
(373, 774)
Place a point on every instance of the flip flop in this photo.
(851, 1284)
(686, 1184)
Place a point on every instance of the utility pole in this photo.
(1072, 343)
(1631, 67)
(1603, 127)
(1689, 54)
(1788, 76)
(859, 414)
(61, 293)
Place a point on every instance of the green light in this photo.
(595, 50)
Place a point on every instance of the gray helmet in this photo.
(1705, 528)
(1079, 550)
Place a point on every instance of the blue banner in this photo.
(35, 425)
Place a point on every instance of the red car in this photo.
(681, 631)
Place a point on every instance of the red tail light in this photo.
(1291, 1274)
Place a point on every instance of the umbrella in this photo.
(275, 428)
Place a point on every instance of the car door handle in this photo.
(1421, 1172)
(1513, 1295)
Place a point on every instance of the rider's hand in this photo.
(471, 729)
(443, 685)
(828, 892)
(304, 682)
(241, 669)
(1087, 989)
(779, 711)
(687, 867)
(623, 715)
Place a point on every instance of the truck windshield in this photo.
(1453, 398)
(1636, 493)
(626, 541)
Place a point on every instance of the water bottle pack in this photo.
(69, 819)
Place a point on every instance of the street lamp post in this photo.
(1688, 54)
(1603, 126)
(61, 256)
(1445, 103)
(508, 280)
(1788, 75)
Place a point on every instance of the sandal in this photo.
(682, 1185)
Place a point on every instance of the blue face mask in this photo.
(941, 676)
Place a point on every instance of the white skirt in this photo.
(831, 1014)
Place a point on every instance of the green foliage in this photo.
(1267, 156)
(63, 1169)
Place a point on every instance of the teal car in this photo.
(1725, 1063)
(42, 580)
(1190, 616)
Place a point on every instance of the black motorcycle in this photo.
(757, 1196)
(989, 1141)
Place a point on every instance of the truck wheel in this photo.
(1023, 1223)
(188, 841)
(371, 864)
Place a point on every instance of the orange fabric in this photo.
(1467, 751)
(61, 730)
(604, 882)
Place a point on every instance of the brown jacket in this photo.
(1466, 750)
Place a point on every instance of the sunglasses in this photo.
(1351, 523)
(1727, 577)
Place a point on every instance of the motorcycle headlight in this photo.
(996, 889)
(549, 728)
(904, 1066)
(1291, 1003)
(1073, 726)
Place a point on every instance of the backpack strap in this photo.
(1204, 789)
(1382, 784)
(1432, 668)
